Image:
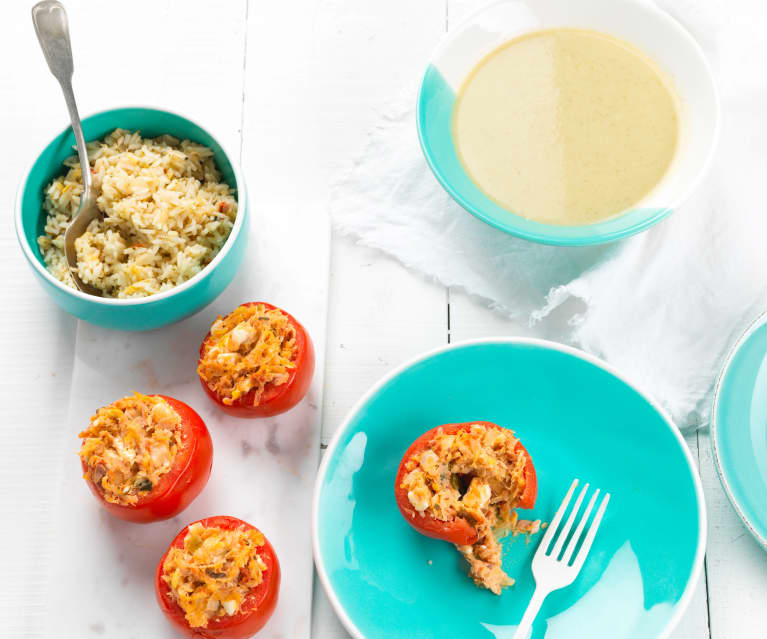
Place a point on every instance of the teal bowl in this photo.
(578, 418)
(155, 310)
(739, 428)
(638, 22)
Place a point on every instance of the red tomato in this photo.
(181, 484)
(275, 399)
(457, 530)
(256, 608)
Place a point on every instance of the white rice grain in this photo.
(166, 214)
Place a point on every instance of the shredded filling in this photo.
(476, 475)
(214, 572)
(129, 445)
(248, 350)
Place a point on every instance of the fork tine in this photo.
(581, 556)
(557, 518)
(577, 534)
(562, 536)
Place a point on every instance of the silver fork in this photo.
(552, 572)
(52, 29)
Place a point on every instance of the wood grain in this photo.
(340, 61)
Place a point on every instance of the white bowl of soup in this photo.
(569, 123)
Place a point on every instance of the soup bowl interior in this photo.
(639, 23)
(139, 313)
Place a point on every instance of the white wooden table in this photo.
(295, 84)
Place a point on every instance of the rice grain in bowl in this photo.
(164, 249)
(166, 214)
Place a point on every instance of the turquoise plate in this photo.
(577, 418)
(739, 428)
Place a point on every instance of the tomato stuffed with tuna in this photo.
(257, 361)
(146, 457)
(463, 483)
(220, 578)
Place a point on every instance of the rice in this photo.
(166, 215)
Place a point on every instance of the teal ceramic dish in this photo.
(638, 22)
(159, 309)
(739, 428)
(578, 418)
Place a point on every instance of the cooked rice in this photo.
(166, 214)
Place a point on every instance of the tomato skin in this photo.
(527, 500)
(185, 480)
(457, 531)
(256, 608)
(275, 399)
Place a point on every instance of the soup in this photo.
(566, 126)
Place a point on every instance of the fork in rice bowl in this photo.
(174, 206)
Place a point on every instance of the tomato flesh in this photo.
(457, 530)
(185, 480)
(275, 399)
(256, 608)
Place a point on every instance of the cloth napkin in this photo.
(663, 306)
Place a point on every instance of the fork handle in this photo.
(52, 29)
(523, 629)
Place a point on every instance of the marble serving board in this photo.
(102, 569)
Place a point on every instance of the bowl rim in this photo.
(242, 202)
(547, 234)
(755, 325)
(697, 567)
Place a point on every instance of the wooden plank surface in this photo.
(195, 61)
(351, 363)
(284, 163)
(37, 338)
(379, 314)
(346, 58)
(736, 564)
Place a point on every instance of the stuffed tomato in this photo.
(257, 361)
(146, 457)
(220, 577)
(462, 483)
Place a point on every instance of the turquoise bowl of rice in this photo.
(174, 230)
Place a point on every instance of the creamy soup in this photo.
(566, 126)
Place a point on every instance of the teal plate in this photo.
(577, 418)
(739, 428)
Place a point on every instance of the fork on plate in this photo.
(551, 571)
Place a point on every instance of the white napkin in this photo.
(663, 306)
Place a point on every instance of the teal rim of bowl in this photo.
(760, 321)
(441, 157)
(697, 565)
(39, 266)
